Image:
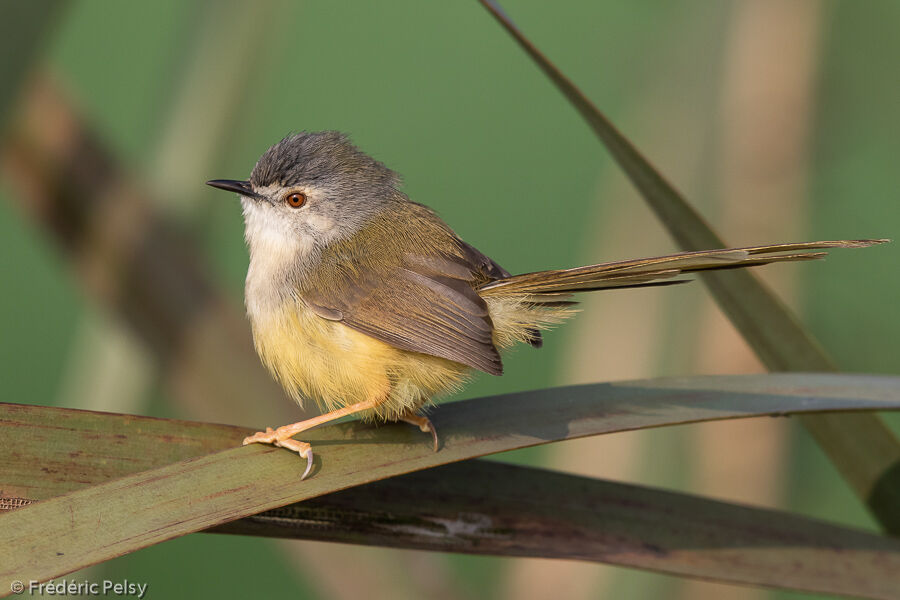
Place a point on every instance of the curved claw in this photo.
(309, 463)
(434, 436)
(270, 436)
(424, 424)
(301, 448)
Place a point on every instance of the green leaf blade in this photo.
(95, 523)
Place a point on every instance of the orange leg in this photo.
(423, 423)
(282, 436)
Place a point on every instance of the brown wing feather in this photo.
(428, 312)
(421, 298)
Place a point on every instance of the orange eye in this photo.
(296, 200)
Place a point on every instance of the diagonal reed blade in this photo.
(864, 450)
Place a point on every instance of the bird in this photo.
(369, 304)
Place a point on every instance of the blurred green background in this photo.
(779, 119)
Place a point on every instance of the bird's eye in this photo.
(296, 200)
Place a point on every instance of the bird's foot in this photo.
(281, 437)
(423, 423)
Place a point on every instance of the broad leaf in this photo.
(53, 450)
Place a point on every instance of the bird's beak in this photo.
(231, 185)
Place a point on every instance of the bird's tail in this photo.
(552, 287)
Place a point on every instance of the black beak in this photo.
(230, 185)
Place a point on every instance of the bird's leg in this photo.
(423, 423)
(283, 436)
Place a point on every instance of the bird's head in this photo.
(312, 189)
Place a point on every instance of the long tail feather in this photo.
(544, 286)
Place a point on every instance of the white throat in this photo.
(277, 250)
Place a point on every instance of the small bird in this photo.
(370, 304)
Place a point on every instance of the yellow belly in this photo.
(337, 366)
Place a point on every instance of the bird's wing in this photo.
(425, 302)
